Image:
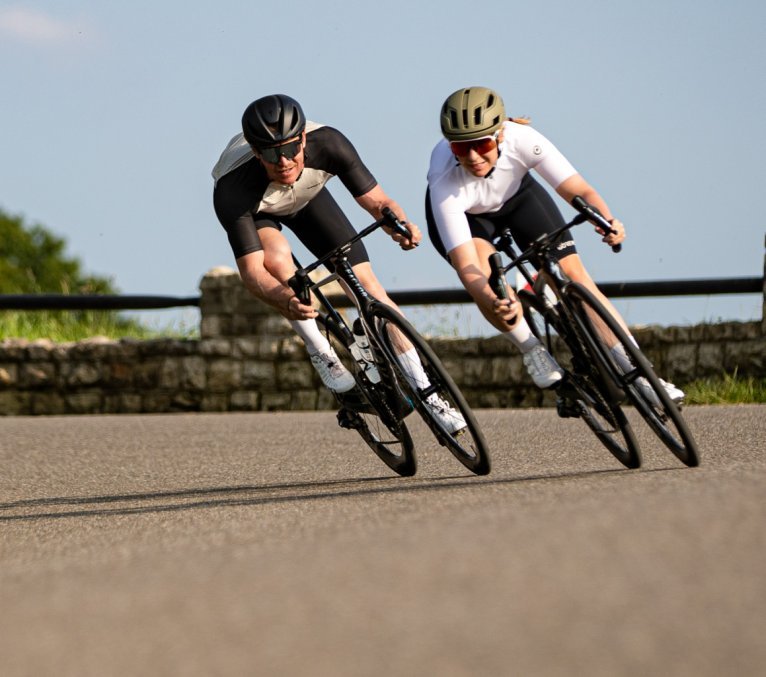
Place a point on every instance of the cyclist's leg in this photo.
(277, 252)
(575, 270)
(278, 261)
(532, 212)
(471, 262)
(371, 283)
(406, 353)
(573, 266)
(322, 226)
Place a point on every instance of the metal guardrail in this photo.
(93, 302)
(745, 285)
(703, 287)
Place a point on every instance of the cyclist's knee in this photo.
(367, 277)
(573, 266)
(278, 256)
(371, 283)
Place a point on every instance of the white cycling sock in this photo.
(413, 368)
(315, 340)
(521, 336)
(621, 356)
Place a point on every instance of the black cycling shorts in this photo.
(529, 213)
(321, 226)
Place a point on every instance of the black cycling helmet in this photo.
(270, 120)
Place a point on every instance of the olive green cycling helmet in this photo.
(472, 112)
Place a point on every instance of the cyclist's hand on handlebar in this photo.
(614, 237)
(507, 309)
(405, 234)
(411, 242)
(295, 310)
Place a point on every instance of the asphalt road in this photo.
(277, 544)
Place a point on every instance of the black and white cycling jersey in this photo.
(245, 199)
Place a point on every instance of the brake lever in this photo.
(300, 283)
(496, 282)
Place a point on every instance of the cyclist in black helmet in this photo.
(273, 174)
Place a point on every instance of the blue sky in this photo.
(114, 113)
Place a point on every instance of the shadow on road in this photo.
(253, 495)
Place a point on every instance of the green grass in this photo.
(62, 326)
(730, 389)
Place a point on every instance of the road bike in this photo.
(395, 369)
(582, 335)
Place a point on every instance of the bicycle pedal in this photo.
(567, 409)
(347, 419)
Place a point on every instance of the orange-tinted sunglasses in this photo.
(481, 146)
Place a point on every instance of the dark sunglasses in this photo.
(481, 146)
(287, 150)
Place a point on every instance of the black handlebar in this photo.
(398, 226)
(301, 283)
(590, 213)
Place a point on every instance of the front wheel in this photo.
(368, 410)
(431, 389)
(638, 380)
(583, 393)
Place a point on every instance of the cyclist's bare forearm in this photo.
(577, 185)
(375, 201)
(470, 261)
(267, 288)
(500, 313)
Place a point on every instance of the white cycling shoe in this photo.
(449, 417)
(675, 394)
(332, 372)
(541, 366)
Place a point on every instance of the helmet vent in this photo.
(471, 113)
(294, 121)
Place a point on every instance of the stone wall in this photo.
(248, 359)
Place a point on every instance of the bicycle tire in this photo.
(663, 415)
(582, 392)
(367, 410)
(468, 444)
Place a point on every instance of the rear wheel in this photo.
(584, 392)
(368, 410)
(640, 383)
(431, 389)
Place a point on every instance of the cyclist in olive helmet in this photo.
(274, 173)
(479, 182)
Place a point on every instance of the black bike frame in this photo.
(302, 285)
(551, 274)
